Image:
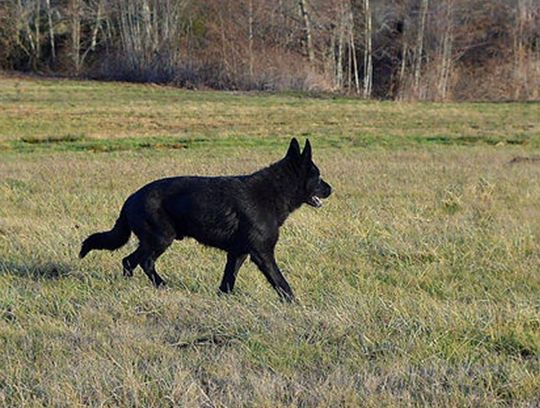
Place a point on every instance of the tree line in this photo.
(395, 49)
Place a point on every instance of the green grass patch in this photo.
(81, 144)
(55, 110)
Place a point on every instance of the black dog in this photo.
(240, 215)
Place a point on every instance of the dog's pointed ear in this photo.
(306, 154)
(294, 149)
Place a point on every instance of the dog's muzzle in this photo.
(323, 190)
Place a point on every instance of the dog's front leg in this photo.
(266, 262)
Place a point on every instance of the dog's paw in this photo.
(162, 285)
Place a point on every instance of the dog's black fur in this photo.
(240, 215)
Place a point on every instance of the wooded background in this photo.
(401, 49)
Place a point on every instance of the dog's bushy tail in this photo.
(113, 239)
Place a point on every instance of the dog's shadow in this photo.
(36, 270)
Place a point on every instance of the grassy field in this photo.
(418, 281)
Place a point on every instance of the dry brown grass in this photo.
(418, 285)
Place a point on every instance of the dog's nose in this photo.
(328, 189)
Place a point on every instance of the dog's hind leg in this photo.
(130, 262)
(156, 233)
(148, 258)
(234, 262)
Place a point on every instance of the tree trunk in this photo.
(37, 24)
(339, 65)
(250, 39)
(446, 64)
(51, 30)
(27, 39)
(522, 36)
(95, 31)
(368, 52)
(420, 46)
(76, 34)
(403, 66)
(446, 51)
(307, 28)
(355, 65)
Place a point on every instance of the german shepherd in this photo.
(238, 214)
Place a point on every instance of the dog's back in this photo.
(209, 209)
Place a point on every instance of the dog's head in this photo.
(312, 187)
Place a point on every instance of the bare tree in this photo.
(98, 6)
(75, 23)
(523, 55)
(307, 27)
(446, 50)
(25, 36)
(419, 51)
(250, 38)
(51, 30)
(368, 51)
(407, 49)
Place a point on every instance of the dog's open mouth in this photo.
(314, 201)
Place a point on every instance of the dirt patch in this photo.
(524, 159)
